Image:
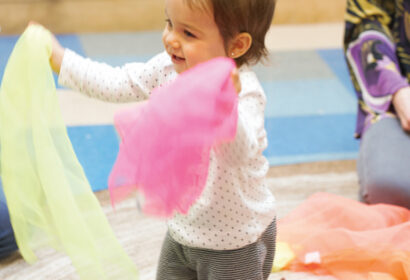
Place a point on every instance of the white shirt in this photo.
(236, 205)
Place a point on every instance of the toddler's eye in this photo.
(168, 22)
(189, 34)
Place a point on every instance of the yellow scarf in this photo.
(50, 200)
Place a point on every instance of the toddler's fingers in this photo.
(236, 81)
(32, 22)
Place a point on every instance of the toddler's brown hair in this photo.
(237, 16)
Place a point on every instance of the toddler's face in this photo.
(191, 36)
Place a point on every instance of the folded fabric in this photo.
(166, 143)
(283, 256)
(50, 200)
(348, 239)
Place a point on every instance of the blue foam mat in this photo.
(310, 114)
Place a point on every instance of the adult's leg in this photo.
(7, 241)
(384, 164)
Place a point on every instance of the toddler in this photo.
(230, 231)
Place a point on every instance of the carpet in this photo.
(142, 236)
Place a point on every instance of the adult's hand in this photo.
(401, 102)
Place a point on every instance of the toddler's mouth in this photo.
(177, 58)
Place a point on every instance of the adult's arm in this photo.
(374, 58)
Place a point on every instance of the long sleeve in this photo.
(370, 42)
(236, 205)
(251, 139)
(131, 82)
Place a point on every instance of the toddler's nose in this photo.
(173, 44)
(172, 41)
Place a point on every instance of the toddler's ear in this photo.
(239, 45)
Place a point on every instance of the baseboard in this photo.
(72, 16)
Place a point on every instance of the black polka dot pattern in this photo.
(131, 83)
(236, 205)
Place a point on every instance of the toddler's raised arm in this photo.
(131, 82)
(251, 138)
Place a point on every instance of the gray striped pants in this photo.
(252, 262)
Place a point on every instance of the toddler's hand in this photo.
(236, 81)
(57, 52)
(57, 55)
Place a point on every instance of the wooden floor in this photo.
(74, 16)
(334, 167)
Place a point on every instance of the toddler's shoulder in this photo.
(249, 81)
(158, 62)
